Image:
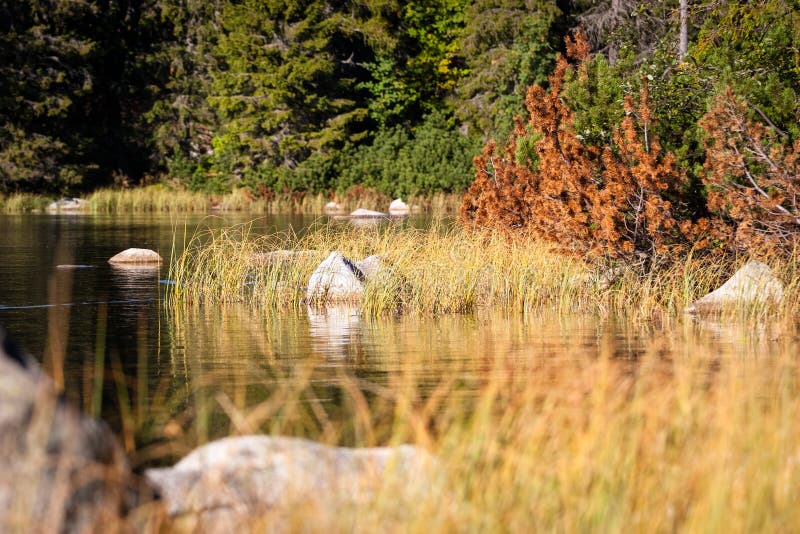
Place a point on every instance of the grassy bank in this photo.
(446, 269)
(162, 199)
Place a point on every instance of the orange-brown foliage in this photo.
(752, 178)
(609, 201)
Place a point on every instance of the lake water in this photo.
(152, 371)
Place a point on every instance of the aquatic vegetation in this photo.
(22, 203)
(448, 269)
(147, 199)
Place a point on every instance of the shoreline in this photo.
(163, 199)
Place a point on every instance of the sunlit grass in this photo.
(162, 198)
(22, 203)
(574, 435)
(445, 269)
(146, 199)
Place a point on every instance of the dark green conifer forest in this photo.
(322, 95)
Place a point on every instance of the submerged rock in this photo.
(754, 283)
(59, 470)
(398, 207)
(335, 279)
(362, 213)
(276, 482)
(70, 266)
(66, 204)
(137, 255)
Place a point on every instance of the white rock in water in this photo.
(336, 278)
(398, 207)
(754, 283)
(333, 207)
(66, 204)
(275, 481)
(136, 255)
(361, 212)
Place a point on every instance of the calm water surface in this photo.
(112, 323)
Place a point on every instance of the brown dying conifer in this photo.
(602, 201)
(752, 177)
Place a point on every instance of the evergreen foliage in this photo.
(322, 95)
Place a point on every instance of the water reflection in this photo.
(199, 365)
(333, 330)
(249, 354)
(135, 282)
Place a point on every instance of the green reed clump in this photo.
(22, 203)
(444, 269)
(436, 270)
(147, 199)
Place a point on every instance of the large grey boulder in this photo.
(137, 256)
(335, 279)
(282, 484)
(754, 283)
(60, 471)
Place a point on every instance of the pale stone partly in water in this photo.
(273, 482)
(66, 204)
(365, 213)
(398, 207)
(333, 208)
(60, 471)
(136, 255)
(753, 283)
(336, 278)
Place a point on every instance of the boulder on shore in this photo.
(279, 483)
(754, 283)
(398, 207)
(61, 471)
(136, 255)
(335, 279)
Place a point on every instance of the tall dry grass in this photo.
(160, 198)
(444, 269)
(147, 199)
(578, 432)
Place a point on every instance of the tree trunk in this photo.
(684, 39)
